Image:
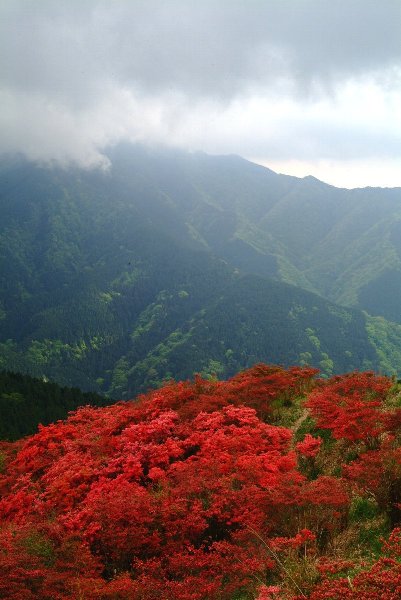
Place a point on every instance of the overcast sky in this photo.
(302, 86)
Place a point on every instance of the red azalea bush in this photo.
(310, 446)
(351, 405)
(189, 493)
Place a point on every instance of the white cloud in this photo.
(314, 82)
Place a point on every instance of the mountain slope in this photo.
(341, 243)
(254, 320)
(116, 280)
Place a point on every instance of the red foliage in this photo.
(350, 406)
(269, 592)
(381, 582)
(166, 494)
(257, 388)
(186, 494)
(309, 447)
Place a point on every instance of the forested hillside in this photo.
(273, 485)
(25, 402)
(344, 244)
(115, 281)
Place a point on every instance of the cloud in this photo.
(198, 48)
(286, 79)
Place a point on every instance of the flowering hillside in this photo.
(272, 485)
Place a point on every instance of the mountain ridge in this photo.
(92, 263)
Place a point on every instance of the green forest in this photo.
(171, 264)
(26, 402)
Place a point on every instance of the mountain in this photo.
(343, 244)
(162, 266)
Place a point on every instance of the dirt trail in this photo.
(300, 420)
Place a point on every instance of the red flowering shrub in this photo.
(259, 388)
(380, 582)
(309, 447)
(169, 490)
(269, 592)
(350, 406)
(189, 494)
